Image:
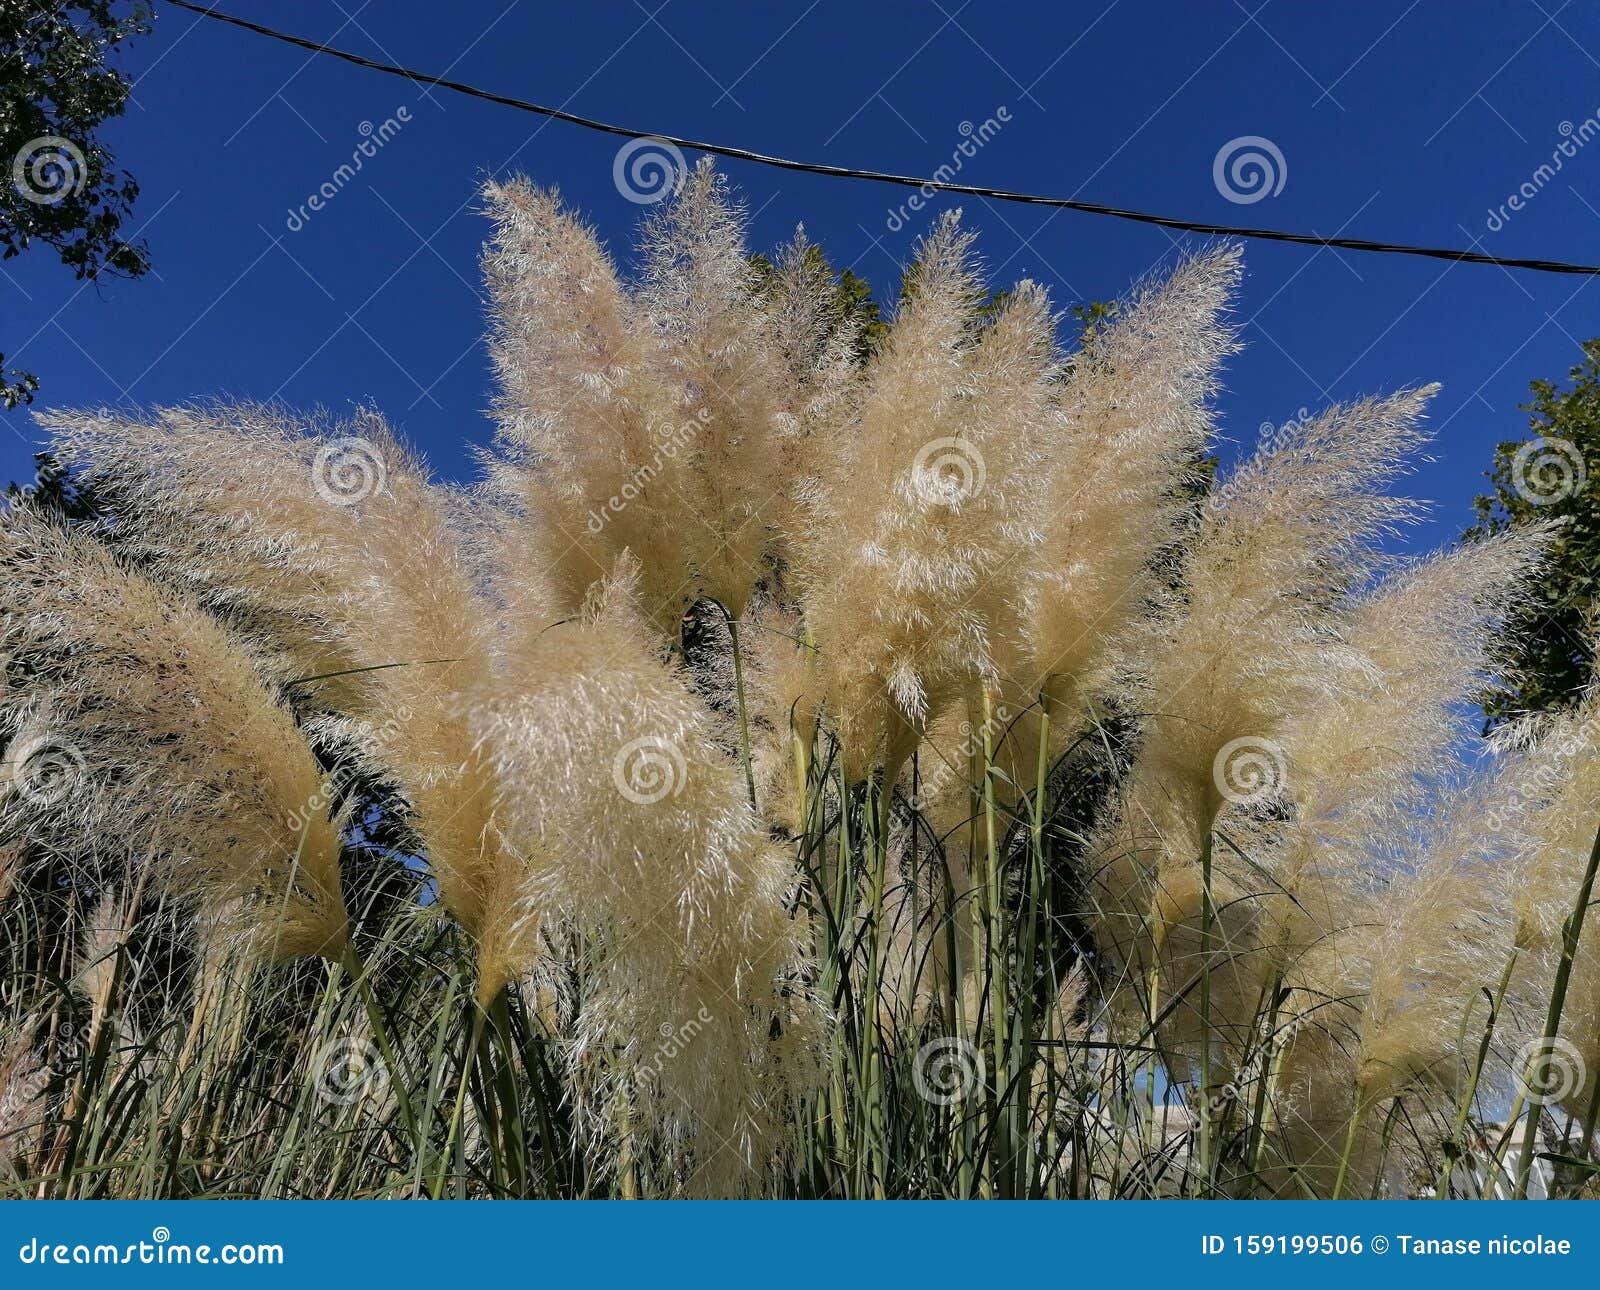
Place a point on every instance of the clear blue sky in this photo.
(1398, 121)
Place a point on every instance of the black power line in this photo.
(905, 181)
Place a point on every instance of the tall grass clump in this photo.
(811, 762)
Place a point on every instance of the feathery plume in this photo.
(24, 1082)
(337, 530)
(1133, 424)
(644, 420)
(639, 844)
(922, 500)
(155, 733)
(1252, 638)
(1364, 763)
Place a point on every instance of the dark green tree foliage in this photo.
(854, 297)
(1551, 474)
(60, 185)
(56, 492)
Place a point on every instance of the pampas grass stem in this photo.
(1571, 934)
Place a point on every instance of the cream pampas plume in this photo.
(1552, 807)
(225, 503)
(23, 1085)
(100, 946)
(340, 536)
(1365, 766)
(1446, 940)
(1132, 427)
(1364, 762)
(1312, 1061)
(154, 733)
(1252, 639)
(576, 409)
(1134, 424)
(922, 501)
(641, 851)
(821, 345)
(698, 299)
(1284, 537)
(644, 420)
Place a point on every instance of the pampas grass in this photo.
(151, 737)
(802, 767)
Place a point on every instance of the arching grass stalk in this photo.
(452, 1155)
(840, 914)
(744, 710)
(1453, 1148)
(1153, 994)
(1590, 1115)
(1356, 1117)
(876, 845)
(1267, 1084)
(1571, 931)
(993, 903)
(513, 1132)
(380, 1033)
(436, 1077)
(1036, 919)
